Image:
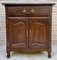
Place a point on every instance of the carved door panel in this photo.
(18, 32)
(37, 37)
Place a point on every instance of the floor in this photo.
(22, 56)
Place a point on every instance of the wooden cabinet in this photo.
(28, 27)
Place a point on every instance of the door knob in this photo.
(30, 31)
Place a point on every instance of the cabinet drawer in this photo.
(28, 11)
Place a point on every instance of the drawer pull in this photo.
(32, 11)
(24, 11)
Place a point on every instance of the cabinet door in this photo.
(37, 33)
(17, 32)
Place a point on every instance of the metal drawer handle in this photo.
(32, 11)
(24, 11)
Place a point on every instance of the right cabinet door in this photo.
(38, 33)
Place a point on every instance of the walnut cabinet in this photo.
(28, 27)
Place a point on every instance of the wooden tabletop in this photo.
(28, 4)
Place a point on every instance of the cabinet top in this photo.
(28, 4)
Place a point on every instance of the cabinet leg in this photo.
(49, 54)
(8, 55)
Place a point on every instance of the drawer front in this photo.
(28, 11)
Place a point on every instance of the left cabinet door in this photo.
(17, 32)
